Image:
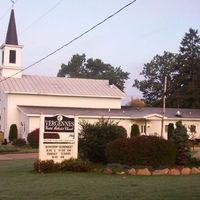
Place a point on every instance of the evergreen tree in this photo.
(182, 71)
(181, 140)
(135, 131)
(13, 132)
(187, 82)
(170, 132)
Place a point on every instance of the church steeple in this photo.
(11, 52)
(11, 37)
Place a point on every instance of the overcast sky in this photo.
(130, 39)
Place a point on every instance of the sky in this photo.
(129, 39)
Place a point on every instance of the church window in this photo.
(143, 129)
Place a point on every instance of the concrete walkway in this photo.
(13, 156)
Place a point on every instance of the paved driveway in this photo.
(18, 156)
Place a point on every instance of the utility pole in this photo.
(163, 111)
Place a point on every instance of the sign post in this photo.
(58, 137)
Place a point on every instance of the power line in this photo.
(6, 12)
(42, 16)
(73, 40)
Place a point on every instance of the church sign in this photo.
(58, 138)
(59, 123)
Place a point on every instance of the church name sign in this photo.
(58, 138)
(59, 123)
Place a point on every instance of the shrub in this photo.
(1, 137)
(194, 162)
(19, 142)
(170, 131)
(75, 165)
(13, 132)
(5, 142)
(141, 150)
(135, 131)
(33, 138)
(94, 137)
(45, 166)
(181, 140)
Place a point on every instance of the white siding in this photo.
(55, 101)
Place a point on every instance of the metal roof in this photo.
(124, 112)
(44, 85)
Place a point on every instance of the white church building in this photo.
(23, 98)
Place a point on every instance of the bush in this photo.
(45, 166)
(181, 140)
(141, 150)
(33, 138)
(5, 142)
(13, 132)
(170, 131)
(1, 137)
(94, 137)
(19, 142)
(135, 131)
(194, 162)
(75, 165)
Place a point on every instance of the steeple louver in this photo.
(11, 37)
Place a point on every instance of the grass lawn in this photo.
(13, 149)
(18, 181)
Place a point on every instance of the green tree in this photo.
(181, 140)
(79, 67)
(13, 132)
(170, 131)
(186, 94)
(154, 73)
(135, 131)
(93, 139)
(183, 73)
(137, 103)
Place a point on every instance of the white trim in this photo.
(11, 45)
(183, 119)
(116, 117)
(153, 115)
(9, 67)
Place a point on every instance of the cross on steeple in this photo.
(13, 3)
